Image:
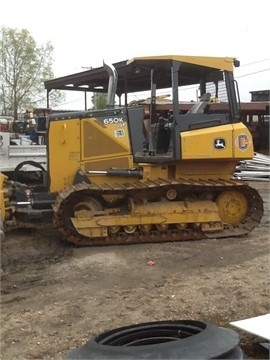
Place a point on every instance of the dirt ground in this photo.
(55, 297)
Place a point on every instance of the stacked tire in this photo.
(173, 339)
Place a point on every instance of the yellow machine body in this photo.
(90, 145)
(127, 174)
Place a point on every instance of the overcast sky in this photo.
(84, 32)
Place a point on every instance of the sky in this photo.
(86, 32)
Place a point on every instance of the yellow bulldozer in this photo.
(110, 181)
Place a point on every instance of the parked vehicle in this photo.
(107, 184)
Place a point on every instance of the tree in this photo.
(99, 100)
(24, 66)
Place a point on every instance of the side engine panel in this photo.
(87, 141)
(231, 141)
(63, 152)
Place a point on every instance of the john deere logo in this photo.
(219, 144)
(242, 141)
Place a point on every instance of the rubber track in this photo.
(188, 186)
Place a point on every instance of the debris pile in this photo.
(257, 168)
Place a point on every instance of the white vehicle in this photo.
(17, 153)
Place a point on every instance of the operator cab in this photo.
(214, 84)
(194, 85)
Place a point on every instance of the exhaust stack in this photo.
(113, 77)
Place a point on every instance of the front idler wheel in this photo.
(232, 207)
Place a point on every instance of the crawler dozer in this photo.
(111, 179)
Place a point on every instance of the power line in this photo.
(68, 102)
(254, 62)
(255, 72)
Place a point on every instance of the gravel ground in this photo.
(55, 297)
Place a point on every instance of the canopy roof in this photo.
(134, 74)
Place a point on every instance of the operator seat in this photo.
(200, 106)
